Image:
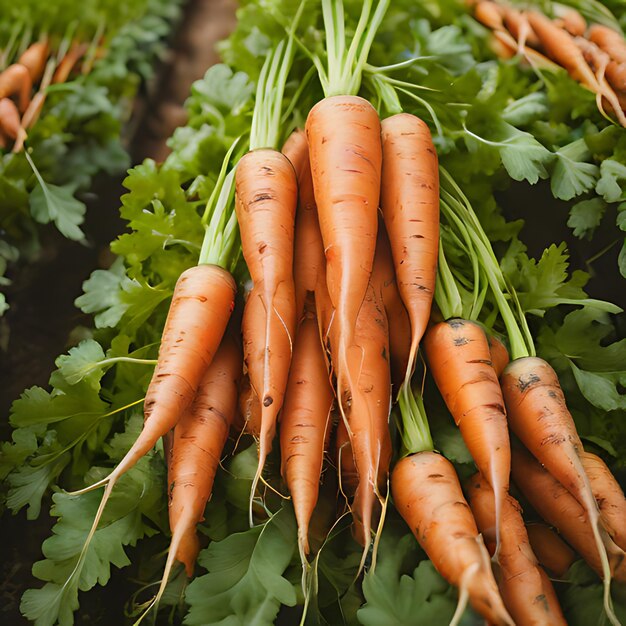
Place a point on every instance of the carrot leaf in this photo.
(245, 582)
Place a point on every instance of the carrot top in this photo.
(342, 73)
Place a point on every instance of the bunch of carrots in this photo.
(593, 54)
(23, 86)
(340, 232)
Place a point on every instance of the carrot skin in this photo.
(427, 493)
(16, 80)
(489, 14)
(458, 354)
(68, 62)
(552, 552)
(34, 59)
(608, 40)
(309, 258)
(527, 592)
(499, 354)
(410, 207)
(608, 495)
(305, 424)
(201, 306)
(517, 24)
(368, 412)
(199, 439)
(346, 467)
(266, 198)
(386, 285)
(559, 508)
(346, 157)
(560, 47)
(9, 118)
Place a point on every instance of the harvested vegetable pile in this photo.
(68, 75)
(325, 381)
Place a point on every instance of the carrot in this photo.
(559, 45)
(201, 305)
(34, 59)
(517, 24)
(199, 439)
(616, 75)
(608, 40)
(346, 469)
(410, 206)
(489, 14)
(499, 354)
(427, 493)
(557, 506)
(368, 413)
(266, 196)
(308, 248)
(385, 283)
(538, 415)
(608, 495)
(345, 152)
(250, 407)
(305, 424)
(552, 552)
(9, 118)
(16, 80)
(570, 19)
(526, 590)
(68, 62)
(458, 354)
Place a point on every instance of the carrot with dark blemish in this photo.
(459, 358)
(266, 197)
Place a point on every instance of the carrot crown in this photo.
(468, 236)
(345, 64)
(414, 430)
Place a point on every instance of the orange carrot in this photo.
(368, 413)
(34, 59)
(346, 469)
(345, 151)
(199, 438)
(560, 509)
(538, 415)
(305, 424)
(9, 118)
(559, 45)
(16, 80)
(571, 20)
(410, 206)
(266, 197)
(308, 247)
(68, 62)
(458, 355)
(608, 40)
(517, 24)
(608, 495)
(385, 283)
(551, 551)
(616, 75)
(489, 14)
(250, 407)
(527, 592)
(427, 493)
(499, 354)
